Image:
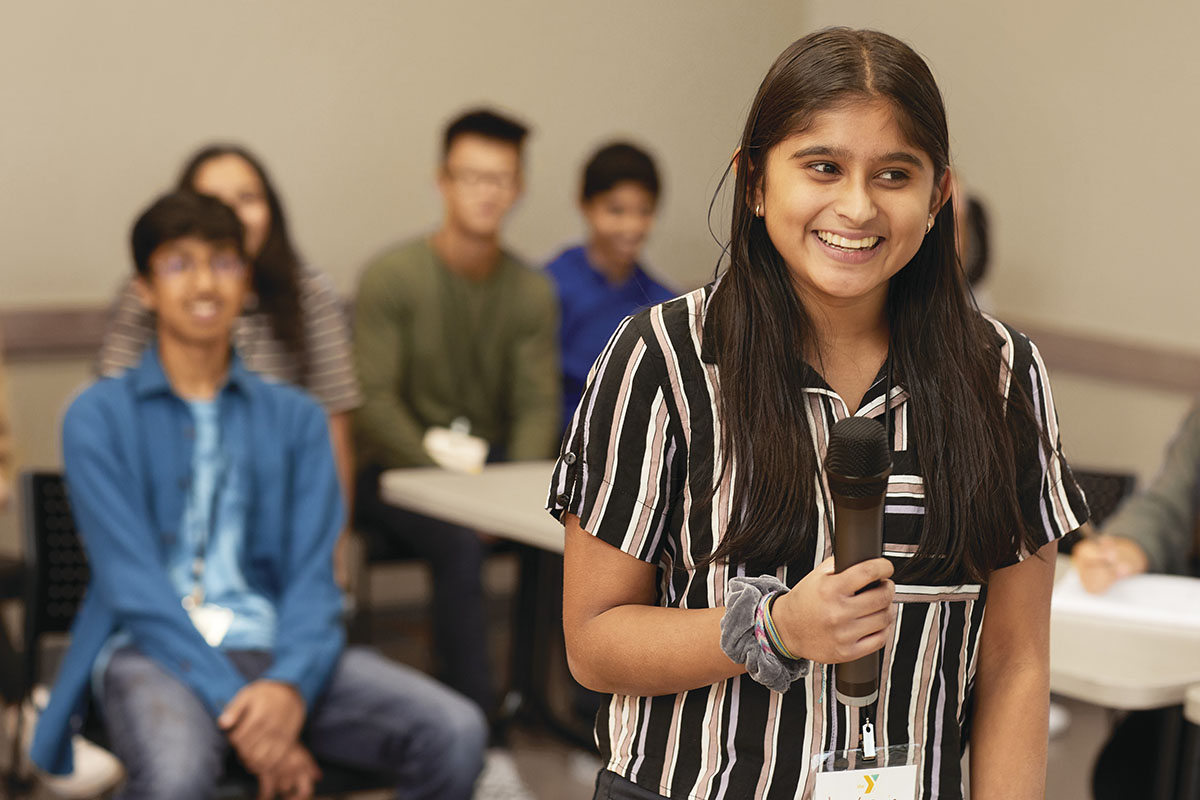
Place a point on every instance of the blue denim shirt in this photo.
(127, 453)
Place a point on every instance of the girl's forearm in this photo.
(1009, 734)
(647, 650)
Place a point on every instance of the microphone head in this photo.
(858, 460)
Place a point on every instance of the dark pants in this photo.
(1128, 762)
(455, 556)
(611, 786)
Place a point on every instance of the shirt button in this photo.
(569, 458)
(563, 499)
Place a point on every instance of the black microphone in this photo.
(857, 465)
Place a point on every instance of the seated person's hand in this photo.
(263, 722)
(1103, 560)
(293, 776)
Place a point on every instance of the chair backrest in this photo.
(1104, 491)
(57, 568)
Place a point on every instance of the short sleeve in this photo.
(1052, 504)
(330, 377)
(619, 462)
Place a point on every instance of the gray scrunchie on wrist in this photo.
(738, 639)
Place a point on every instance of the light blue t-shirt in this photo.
(212, 528)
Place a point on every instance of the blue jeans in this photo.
(375, 714)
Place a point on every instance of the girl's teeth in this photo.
(848, 244)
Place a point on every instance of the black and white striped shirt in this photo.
(330, 377)
(636, 463)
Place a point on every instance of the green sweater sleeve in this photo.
(534, 390)
(386, 427)
(1162, 519)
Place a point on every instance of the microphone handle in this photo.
(858, 536)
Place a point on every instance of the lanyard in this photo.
(196, 598)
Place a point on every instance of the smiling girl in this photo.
(695, 463)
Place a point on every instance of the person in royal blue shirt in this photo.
(208, 503)
(601, 282)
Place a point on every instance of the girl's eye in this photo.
(894, 175)
(824, 167)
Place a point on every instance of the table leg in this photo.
(537, 616)
(1190, 772)
(1168, 754)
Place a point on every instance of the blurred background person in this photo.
(212, 620)
(972, 229)
(601, 282)
(1156, 530)
(293, 328)
(455, 342)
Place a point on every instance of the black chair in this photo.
(56, 580)
(12, 588)
(1104, 492)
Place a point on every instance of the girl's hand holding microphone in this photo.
(824, 619)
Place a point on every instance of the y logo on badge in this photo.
(870, 783)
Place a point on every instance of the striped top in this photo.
(636, 464)
(330, 378)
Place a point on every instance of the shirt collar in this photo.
(150, 379)
(634, 279)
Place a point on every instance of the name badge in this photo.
(880, 783)
(888, 773)
(211, 620)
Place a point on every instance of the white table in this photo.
(507, 500)
(1124, 666)
(1119, 664)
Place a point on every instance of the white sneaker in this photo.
(500, 779)
(96, 769)
(1060, 720)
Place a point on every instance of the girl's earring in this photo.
(758, 210)
(929, 226)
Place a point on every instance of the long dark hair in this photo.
(944, 352)
(276, 272)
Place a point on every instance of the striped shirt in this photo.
(330, 377)
(636, 465)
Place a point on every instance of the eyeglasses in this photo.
(473, 178)
(223, 266)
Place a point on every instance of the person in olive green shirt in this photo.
(453, 332)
